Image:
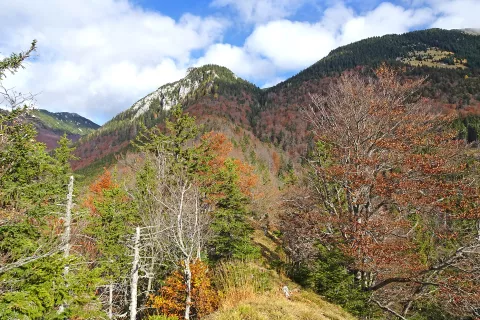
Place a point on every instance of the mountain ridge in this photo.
(451, 59)
(52, 125)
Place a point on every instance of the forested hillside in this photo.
(51, 126)
(449, 59)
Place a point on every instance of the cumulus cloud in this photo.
(296, 45)
(258, 11)
(456, 14)
(273, 82)
(240, 61)
(97, 57)
(100, 54)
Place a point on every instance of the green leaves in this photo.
(231, 230)
(15, 61)
(32, 186)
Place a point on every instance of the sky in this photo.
(97, 57)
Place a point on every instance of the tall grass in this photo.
(241, 280)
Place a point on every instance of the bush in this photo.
(162, 317)
(329, 277)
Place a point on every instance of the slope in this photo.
(52, 125)
(208, 91)
(450, 60)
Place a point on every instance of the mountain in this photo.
(210, 91)
(52, 125)
(449, 58)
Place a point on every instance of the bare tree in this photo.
(388, 170)
(175, 217)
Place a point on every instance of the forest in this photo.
(382, 218)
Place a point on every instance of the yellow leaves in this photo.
(171, 298)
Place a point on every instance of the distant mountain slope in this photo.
(52, 125)
(449, 58)
(208, 90)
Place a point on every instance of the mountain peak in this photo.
(216, 70)
(174, 93)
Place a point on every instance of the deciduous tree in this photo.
(389, 185)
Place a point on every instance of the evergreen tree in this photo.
(33, 183)
(231, 230)
(110, 225)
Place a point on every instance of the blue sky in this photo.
(97, 57)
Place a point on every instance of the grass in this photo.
(273, 305)
(251, 292)
(72, 125)
(436, 55)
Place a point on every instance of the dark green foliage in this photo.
(425, 310)
(33, 188)
(32, 184)
(468, 127)
(231, 230)
(14, 62)
(111, 225)
(38, 291)
(330, 277)
(373, 51)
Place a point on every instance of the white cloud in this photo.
(273, 82)
(258, 11)
(290, 45)
(97, 57)
(385, 19)
(456, 14)
(240, 61)
(296, 45)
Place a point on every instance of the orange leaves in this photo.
(276, 161)
(171, 298)
(247, 179)
(215, 148)
(395, 180)
(104, 182)
(216, 145)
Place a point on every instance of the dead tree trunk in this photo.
(134, 279)
(110, 301)
(188, 282)
(67, 234)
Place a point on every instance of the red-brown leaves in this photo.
(393, 183)
(104, 182)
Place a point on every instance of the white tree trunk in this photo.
(150, 275)
(67, 234)
(110, 301)
(134, 280)
(188, 282)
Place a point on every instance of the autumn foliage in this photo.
(104, 182)
(170, 300)
(391, 187)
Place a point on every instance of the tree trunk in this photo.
(67, 235)
(188, 283)
(110, 301)
(134, 280)
(150, 275)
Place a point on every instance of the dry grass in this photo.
(436, 55)
(273, 305)
(251, 292)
